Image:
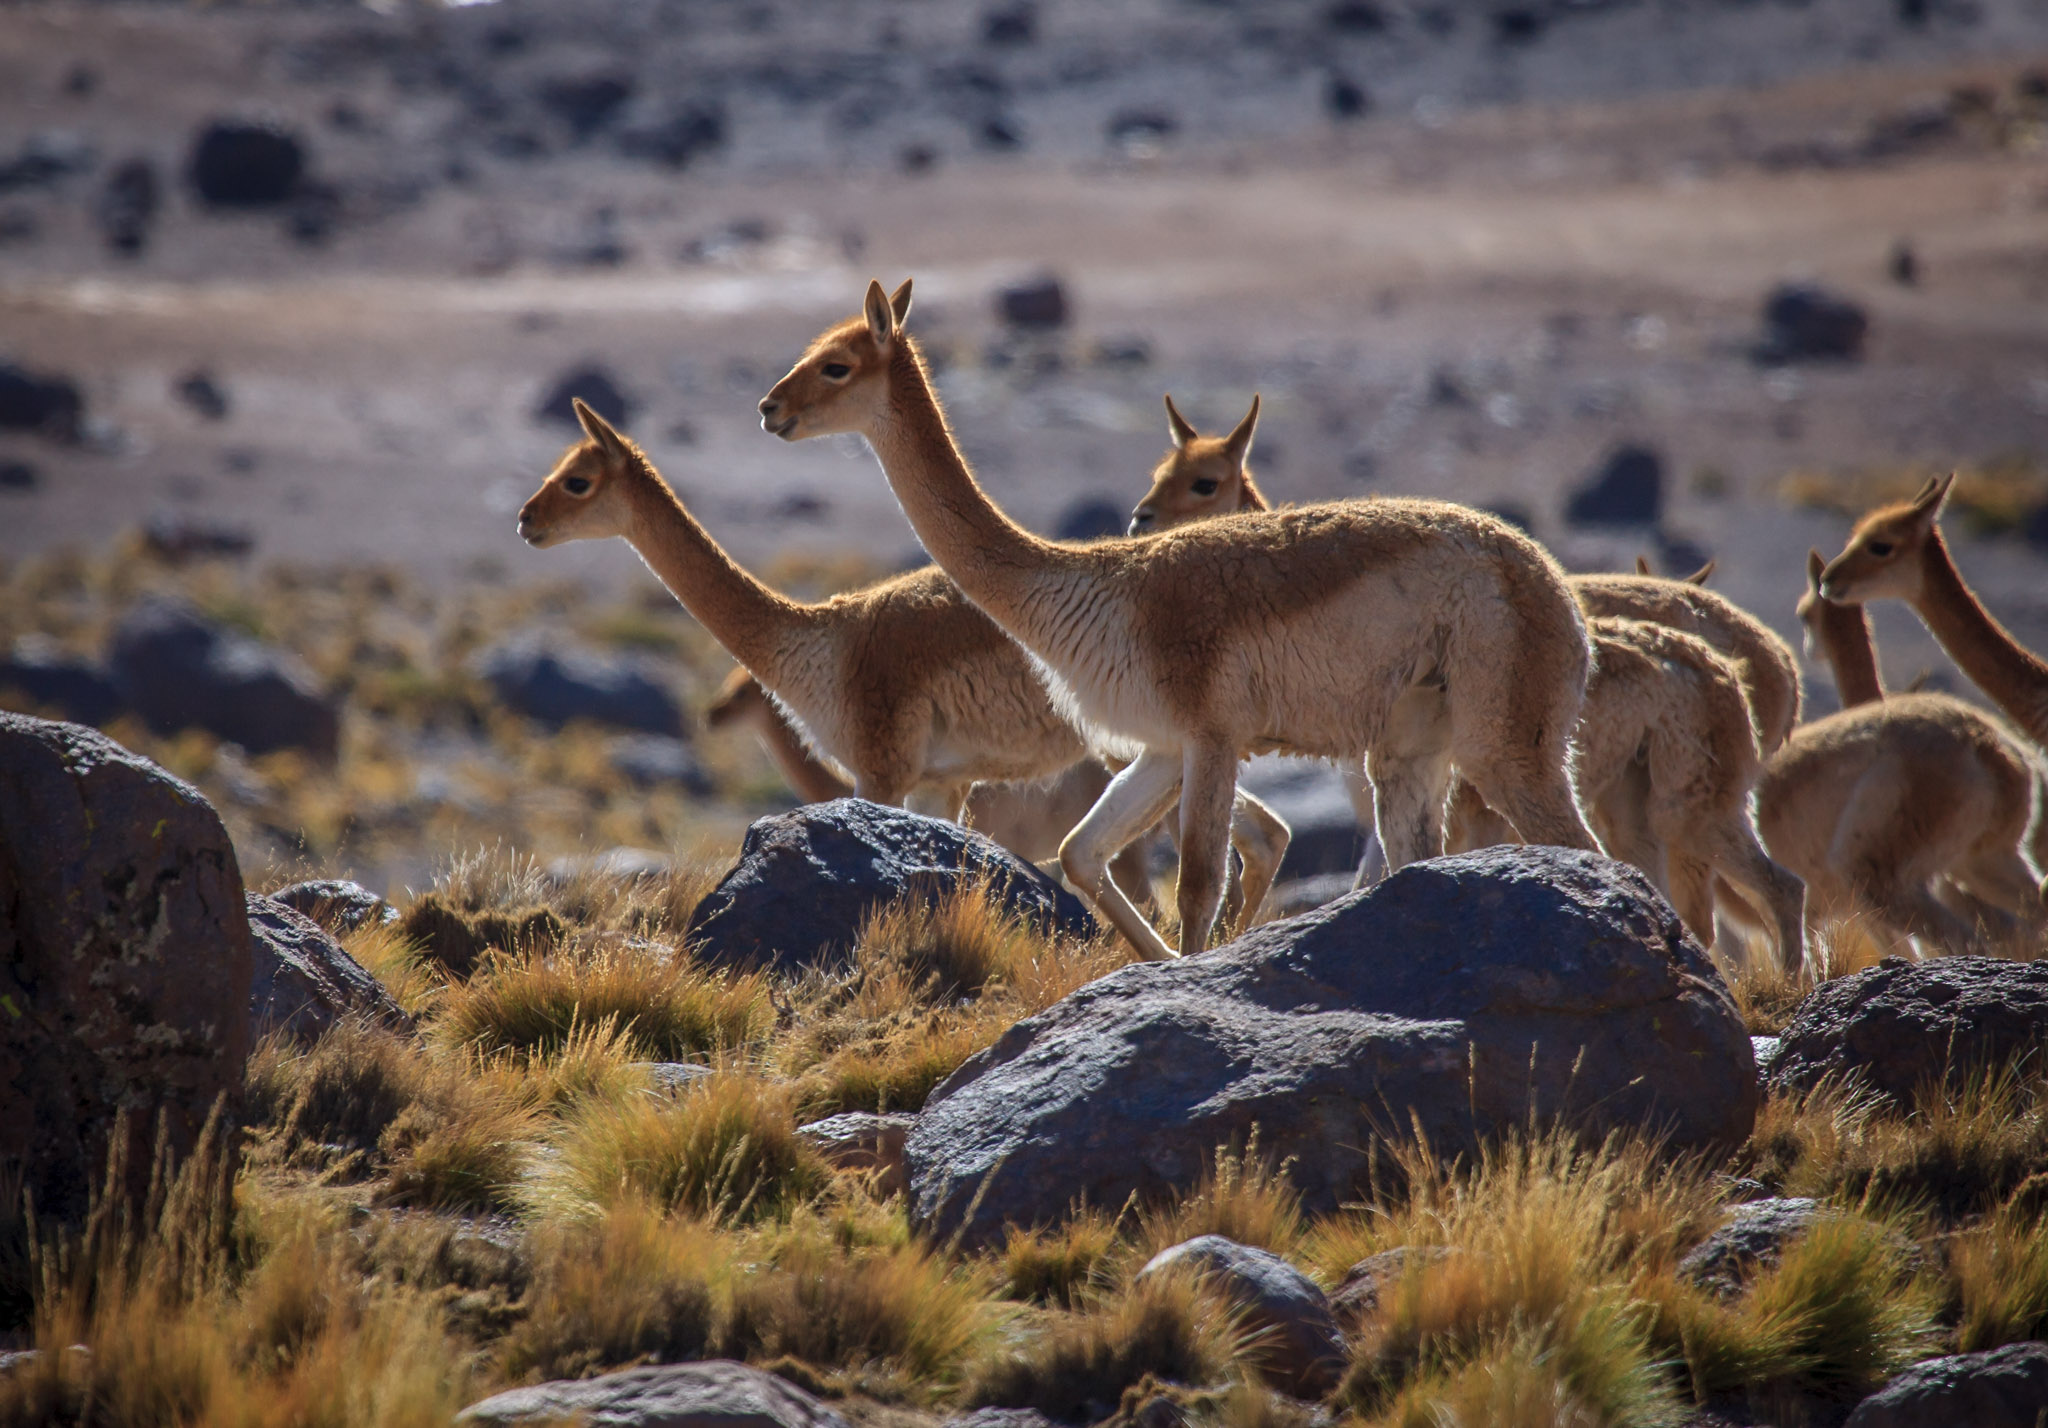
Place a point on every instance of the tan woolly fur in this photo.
(1303, 631)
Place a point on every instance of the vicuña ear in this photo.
(1177, 425)
(598, 429)
(1815, 564)
(899, 302)
(1934, 495)
(1702, 575)
(1238, 444)
(1643, 565)
(881, 318)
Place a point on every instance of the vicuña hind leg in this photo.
(1765, 884)
(1133, 802)
(1261, 837)
(1208, 791)
(1409, 768)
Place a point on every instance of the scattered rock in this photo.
(239, 164)
(1902, 1026)
(124, 959)
(177, 537)
(1122, 352)
(181, 670)
(554, 685)
(47, 405)
(1141, 129)
(1627, 490)
(1036, 302)
(1456, 998)
(1754, 1235)
(336, 904)
(198, 390)
(1806, 323)
(864, 1140)
(587, 103)
(678, 137)
(1519, 25)
(304, 982)
(1300, 1349)
(1311, 797)
(1010, 25)
(1091, 518)
(713, 1394)
(672, 1077)
(649, 760)
(1366, 1284)
(1765, 1050)
(1904, 265)
(1355, 17)
(2003, 1388)
(1345, 98)
(806, 879)
(39, 669)
(127, 206)
(598, 391)
(46, 156)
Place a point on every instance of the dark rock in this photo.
(1091, 518)
(1141, 128)
(179, 669)
(864, 1140)
(917, 158)
(597, 389)
(1355, 17)
(39, 669)
(176, 537)
(128, 204)
(1345, 98)
(1300, 1349)
(337, 904)
(1310, 797)
(806, 879)
(304, 982)
(46, 156)
(678, 137)
(50, 406)
(313, 213)
(1807, 323)
(1037, 302)
(1010, 25)
(555, 685)
(1904, 265)
(1459, 998)
(1754, 1235)
(587, 102)
(198, 390)
(1123, 352)
(713, 1394)
(649, 760)
(1000, 134)
(1903, 1026)
(238, 164)
(1366, 1284)
(1627, 490)
(124, 959)
(2002, 1388)
(1519, 25)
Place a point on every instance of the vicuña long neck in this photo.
(2015, 678)
(1845, 642)
(994, 560)
(753, 622)
(813, 782)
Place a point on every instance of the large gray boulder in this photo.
(180, 669)
(1298, 1345)
(555, 683)
(1904, 1025)
(124, 957)
(304, 982)
(1458, 998)
(2004, 1388)
(807, 879)
(713, 1394)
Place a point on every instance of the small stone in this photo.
(1627, 490)
(1299, 1347)
(240, 164)
(599, 391)
(198, 390)
(1037, 302)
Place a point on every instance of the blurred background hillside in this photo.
(292, 299)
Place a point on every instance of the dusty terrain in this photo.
(1542, 237)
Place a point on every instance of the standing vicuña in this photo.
(1299, 630)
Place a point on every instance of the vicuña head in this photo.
(828, 390)
(583, 498)
(1201, 476)
(1883, 557)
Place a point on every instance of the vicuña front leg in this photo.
(1207, 793)
(1132, 803)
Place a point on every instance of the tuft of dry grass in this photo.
(662, 1006)
(1244, 1196)
(953, 946)
(2000, 1274)
(896, 1068)
(395, 960)
(1060, 1265)
(457, 941)
(1076, 1368)
(726, 1150)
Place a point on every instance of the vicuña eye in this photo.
(1204, 487)
(1879, 548)
(836, 370)
(577, 485)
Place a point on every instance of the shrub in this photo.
(663, 1006)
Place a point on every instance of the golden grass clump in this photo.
(2000, 1274)
(952, 946)
(456, 940)
(724, 1149)
(1061, 1264)
(1076, 1367)
(1242, 1197)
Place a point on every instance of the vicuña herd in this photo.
(1066, 697)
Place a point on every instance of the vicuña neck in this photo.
(1845, 643)
(2014, 678)
(993, 559)
(753, 622)
(813, 782)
